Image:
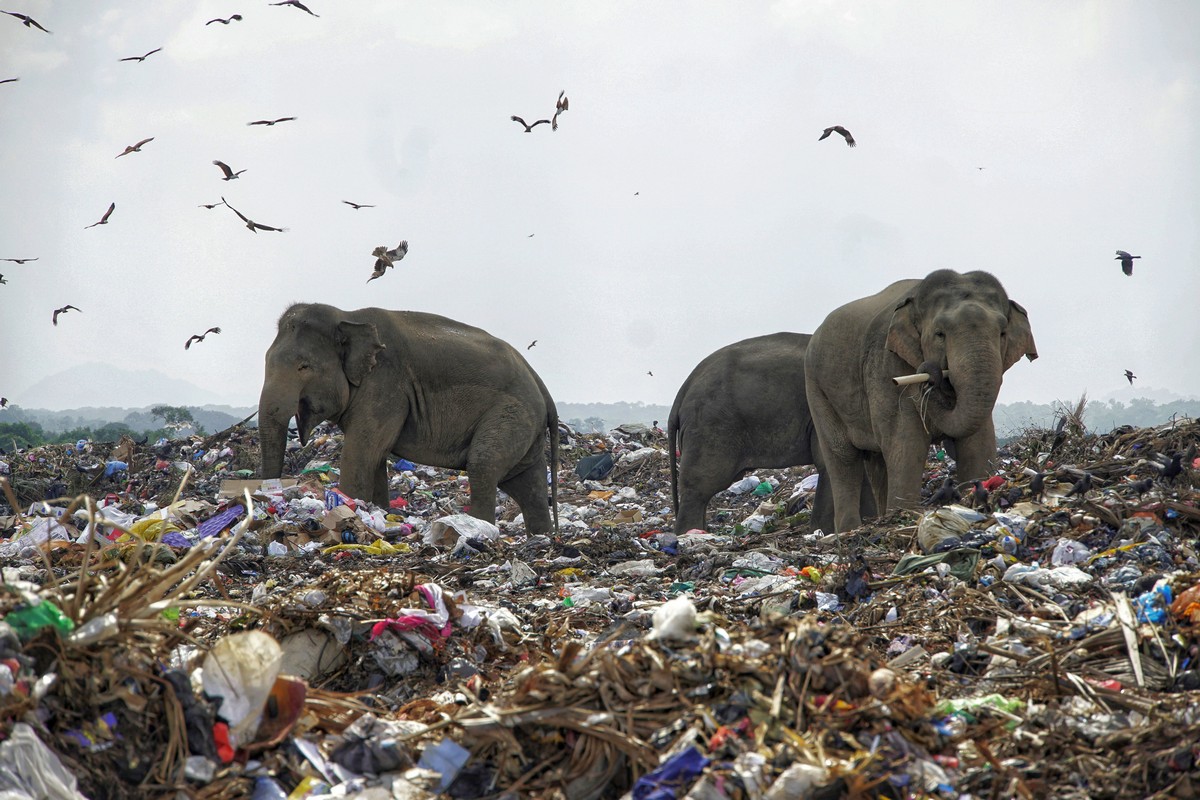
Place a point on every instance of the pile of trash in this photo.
(171, 624)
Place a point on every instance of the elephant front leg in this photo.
(976, 454)
(904, 453)
(364, 467)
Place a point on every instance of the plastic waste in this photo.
(447, 531)
(675, 620)
(29, 620)
(679, 770)
(797, 782)
(1152, 606)
(241, 670)
(447, 757)
(747, 484)
(28, 768)
(941, 529)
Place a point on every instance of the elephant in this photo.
(742, 407)
(431, 389)
(963, 329)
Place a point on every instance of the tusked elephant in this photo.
(961, 328)
(743, 407)
(433, 390)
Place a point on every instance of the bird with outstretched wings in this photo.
(270, 122)
(226, 21)
(104, 219)
(254, 227)
(529, 128)
(19, 260)
(26, 20)
(296, 4)
(63, 310)
(385, 258)
(1126, 261)
(1129, 376)
(134, 148)
(357, 206)
(229, 173)
(839, 129)
(199, 337)
(141, 58)
(562, 104)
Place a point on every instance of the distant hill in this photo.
(212, 418)
(105, 386)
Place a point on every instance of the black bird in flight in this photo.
(357, 206)
(10, 80)
(104, 219)
(1129, 376)
(1126, 261)
(295, 4)
(946, 494)
(251, 224)
(529, 128)
(839, 129)
(229, 174)
(209, 206)
(531, 344)
(237, 17)
(562, 104)
(270, 121)
(141, 58)
(19, 260)
(27, 20)
(199, 337)
(135, 148)
(651, 374)
(2, 279)
(63, 310)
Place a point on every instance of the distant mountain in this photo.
(105, 386)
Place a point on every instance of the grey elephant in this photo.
(962, 329)
(428, 388)
(744, 407)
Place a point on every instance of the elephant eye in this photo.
(939, 334)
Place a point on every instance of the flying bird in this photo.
(237, 17)
(229, 174)
(1129, 376)
(141, 58)
(529, 128)
(27, 20)
(104, 219)
(1126, 261)
(10, 80)
(531, 344)
(19, 260)
(651, 374)
(251, 224)
(530, 236)
(210, 206)
(199, 337)
(2, 279)
(839, 129)
(562, 104)
(357, 206)
(135, 148)
(270, 121)
(295, 4)
(385, 258)
(63, 310)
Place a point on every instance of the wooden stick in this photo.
(920, 377)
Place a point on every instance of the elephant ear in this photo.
(903, 338)
(360, 345)
(1019, 339)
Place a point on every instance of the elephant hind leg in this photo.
(702, 475)
(528, 488)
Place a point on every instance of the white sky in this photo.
(1085, 115)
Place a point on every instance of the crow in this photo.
(237, 17)
(1037, 485)
(229, 174)
(839, 129)
(979, 495)
(2, 281)
(531, 344)
(1126, 261)
(295, 4)
(1142, 486)
(946, 494)
(357, 206)
(1129, 376)
(141, 58)
(3, 402)
(104, 219)
(562, 104)
(251, 224)
(1172, 469)
(651, 374)
(199, 337)
(63, 310)
(529, 128)
(28, 21)
(135, 148)
(269, 122)
(19, 260)
(1060, 434)
(1082, 486)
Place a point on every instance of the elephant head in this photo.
(317, 359)
(965, 325)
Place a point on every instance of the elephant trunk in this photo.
(975, 375)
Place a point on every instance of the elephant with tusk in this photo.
(964, 331)
(431, 389)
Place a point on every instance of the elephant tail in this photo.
(672, 438)
(552, 424)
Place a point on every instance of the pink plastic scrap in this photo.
(424, 630)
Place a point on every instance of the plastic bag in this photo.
(241, 671)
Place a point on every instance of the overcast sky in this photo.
(683, 204)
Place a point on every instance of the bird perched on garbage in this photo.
(269, 122)
(529, 128)
(229, 173)
(839, 129)
(531, 344)
(1142, 486)
(979, 495)
(26, 20)
(63, 310)
(1037, 485)
(560, 105)
(1172, 468)
(357, 206)
(1060, 434)
(19, 260)
(1126, 261)
(295, 4)
(385, 258)
(1129, 376)
(233, 18)
(3, 402)
(141, 58)
(254, 227)
(1014, 496)
(104, 219)
(199, 337)
(1082, 486)
(134, 148)
(946, 494)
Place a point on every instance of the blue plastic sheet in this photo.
(673, 778)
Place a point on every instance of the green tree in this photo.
(174, 416)
(21, 434)
(112, 432)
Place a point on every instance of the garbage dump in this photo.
(172, 626)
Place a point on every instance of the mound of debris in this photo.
(170, 623)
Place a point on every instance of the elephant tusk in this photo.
(920, 377)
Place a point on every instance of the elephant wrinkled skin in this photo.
(743, 407)
(421, 386)
(962, 324)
